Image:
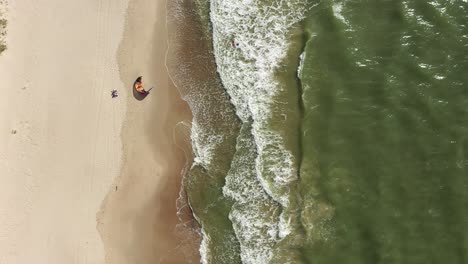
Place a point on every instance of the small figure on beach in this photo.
(138, 85)
(114, 93)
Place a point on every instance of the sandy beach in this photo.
(138, 221)
(85, 178)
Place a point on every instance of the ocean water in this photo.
(325, 131)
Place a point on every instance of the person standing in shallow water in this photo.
(234, 44)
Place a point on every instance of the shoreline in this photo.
(87, 178)
(139, 221)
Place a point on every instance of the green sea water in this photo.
(385, 130)
(335, 132)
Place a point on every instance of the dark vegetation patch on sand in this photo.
(3, 25)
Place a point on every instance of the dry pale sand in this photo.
(61, 152)
(55, 81)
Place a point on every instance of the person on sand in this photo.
(114, 93)
(139, 87)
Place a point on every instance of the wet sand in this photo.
(139, 216)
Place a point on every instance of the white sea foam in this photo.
(203, 147)
(337, 11)
(254, 215)
(284, 225)
(204, 248)
(260, 34)
(301, 65)
(256, 231)
(247, 72)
